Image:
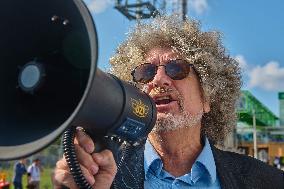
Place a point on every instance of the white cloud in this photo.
(245, 68)
(98, 6)
(242, 61)
(269, 77)
(199, 6)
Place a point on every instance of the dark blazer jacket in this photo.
(244, 172)
(235, 171)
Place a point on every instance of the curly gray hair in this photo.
(219, 74)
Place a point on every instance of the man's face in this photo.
(37, 162)
(23, 161)
(175, 99)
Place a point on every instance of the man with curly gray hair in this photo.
(195, 86)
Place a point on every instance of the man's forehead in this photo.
(161, 53)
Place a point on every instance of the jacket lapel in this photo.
(228, 171)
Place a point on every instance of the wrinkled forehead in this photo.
(158, 55)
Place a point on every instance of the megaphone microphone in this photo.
(50, 81)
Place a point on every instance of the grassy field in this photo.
(45, 179)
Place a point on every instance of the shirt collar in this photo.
(205, 161)
(151, 157)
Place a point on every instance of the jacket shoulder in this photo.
(246, 161)
(247, 171)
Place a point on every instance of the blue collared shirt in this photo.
(202, 175)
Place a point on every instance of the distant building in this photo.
(249, 103)
(270, 136)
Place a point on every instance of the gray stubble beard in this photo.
(170, 122)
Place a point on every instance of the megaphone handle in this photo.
(71, 159)
(99, 145)
(129, 160)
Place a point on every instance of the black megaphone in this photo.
(49, 80)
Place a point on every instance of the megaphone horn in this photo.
(49, 80)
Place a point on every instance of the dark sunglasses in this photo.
(176, 69)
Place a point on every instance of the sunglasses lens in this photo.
(144, 73)
(177, 69)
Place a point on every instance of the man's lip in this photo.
(166, 107)
(156, 97)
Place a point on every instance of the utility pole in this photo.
(184, 9)
(254, 134)
(137, 9)
(146, 9)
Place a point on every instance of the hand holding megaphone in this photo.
(99, 169)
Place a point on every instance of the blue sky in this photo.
(252, 32)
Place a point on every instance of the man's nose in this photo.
(161, 78)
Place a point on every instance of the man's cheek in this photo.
(180, 102)
(145, 88)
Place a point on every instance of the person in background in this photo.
(195, 85)
(19, 171)
(276, 162)
(34, 174)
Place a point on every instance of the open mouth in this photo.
(163, 100)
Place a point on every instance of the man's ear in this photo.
(206, 106)
(206, 102)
